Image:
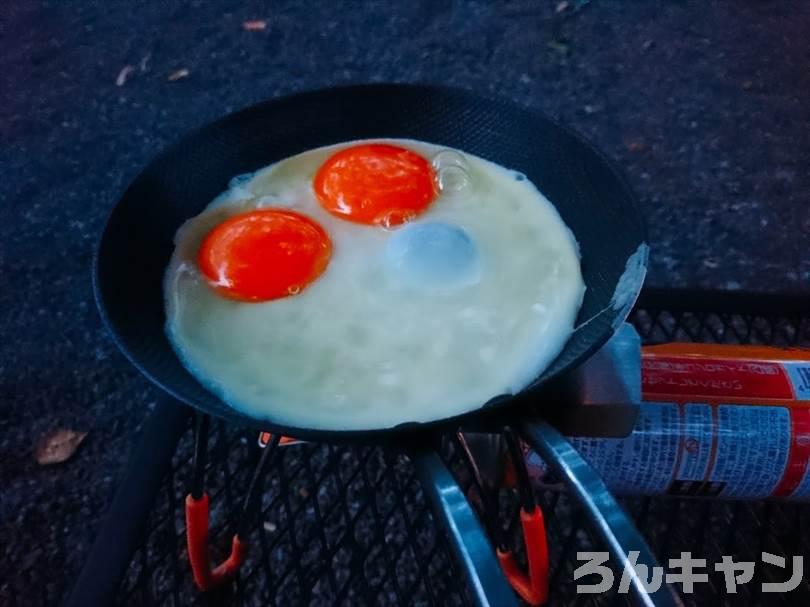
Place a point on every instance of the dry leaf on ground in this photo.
(256, 25)
(123, 75)
(178, 74)
(58, 446)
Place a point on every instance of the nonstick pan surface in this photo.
(137, 241)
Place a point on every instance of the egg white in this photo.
(361, 349)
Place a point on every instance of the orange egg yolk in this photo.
(376, 183)
(264, 254)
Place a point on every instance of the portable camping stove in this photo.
(341, 525)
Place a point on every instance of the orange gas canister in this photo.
(715, 421)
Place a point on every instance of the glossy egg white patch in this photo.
(471, 299)
(432, 256)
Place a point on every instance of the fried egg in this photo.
(370, 284)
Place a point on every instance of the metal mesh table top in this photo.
(343, 525)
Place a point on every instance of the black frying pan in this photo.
(136, 244)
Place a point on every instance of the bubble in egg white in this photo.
(453, 180)
(452, 172)
(448, 158)
(394, 219)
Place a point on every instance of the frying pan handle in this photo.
(607, 516)
(469, 542)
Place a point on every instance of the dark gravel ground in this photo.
(703, 103)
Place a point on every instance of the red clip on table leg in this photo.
(228, 568)
(532, 588)
(197, 542)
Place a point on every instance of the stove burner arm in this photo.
(469, 542)
(606, 515)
